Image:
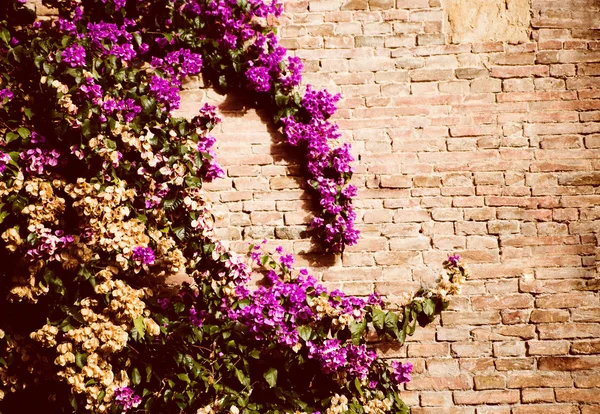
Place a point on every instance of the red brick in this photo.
(568, 363)
(572, 330)
(486, 397)
(567, 300)
(539, 380)
(586, 347)
(471, 349)
(519, 71)
(489, 382)
(578, 396)
(514, 301)
(552, 347)
(549, 315)
(515, 364)
(546, 409)
(458, 382)
(537, 395)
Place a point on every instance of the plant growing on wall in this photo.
(101, 199)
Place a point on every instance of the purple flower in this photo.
(37, 138)
(287, 260)
(319, 104)
(4, 161)
(66, 26)
(74, 55)
(163, 303)
(37, 160)
(6, 94)
(48, 245)
(355, 360)
(126, 107)
(119, 4)
(293, 76)
(454, 260)
(179, 64)
(401, 372)
(197, 318)
(210, 169)
(163, 42)
(207, 118)
(91, 90)
(375, 299)
(145, 255)
(126, 398)
(165, 92)
(77, 13)
(97, 32)
(258, 78)
(124, 51)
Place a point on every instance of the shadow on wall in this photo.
(263, 195)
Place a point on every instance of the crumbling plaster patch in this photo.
(476, 21)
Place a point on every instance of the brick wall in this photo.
(490, 150)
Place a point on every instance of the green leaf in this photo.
(356, 330)
(136, 377)
(110, 144)
(48, 68)
(391, 325)
(148, 404)
(86, 128)
(379, 319)
(138, 323)
(391, 321)
(148, 372)
(138, 38)
(180, 232)
(271, 376)
(81, 359)
(24, 132)
(242, 378)
(178, 307)
(192, 181)
(10, 137)
(184, 377)
(5, 36)
(73, 402)
(280, 99)
(38, 61)
(358, 386)
(305, 332)
(3, 216)
(428, 307)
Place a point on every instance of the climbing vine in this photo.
(101, 201)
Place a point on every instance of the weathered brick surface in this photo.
(489, 150)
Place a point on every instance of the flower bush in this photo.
(101, 201)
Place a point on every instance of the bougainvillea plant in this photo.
(101, 200)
